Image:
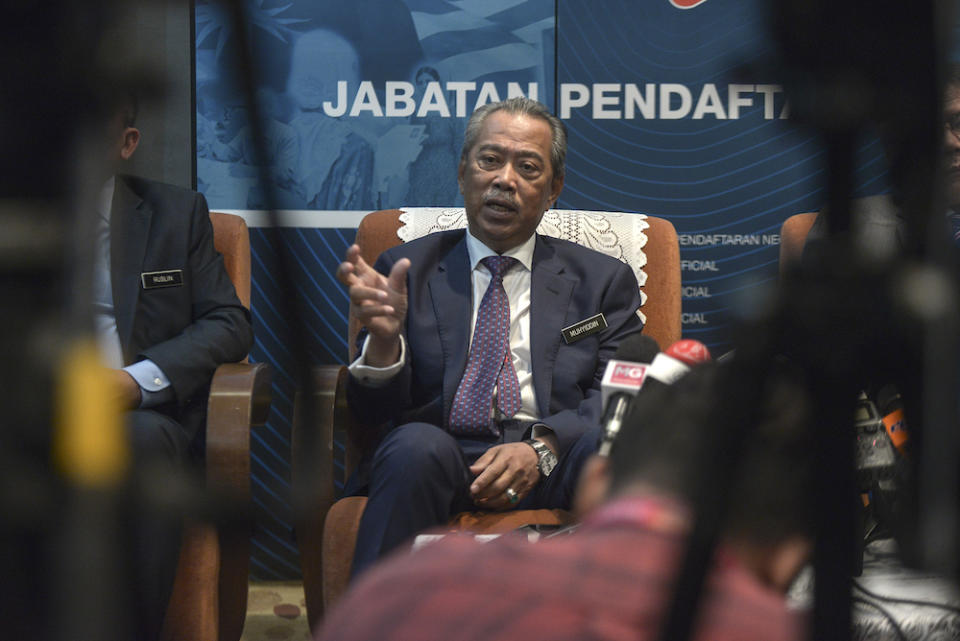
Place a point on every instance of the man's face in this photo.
(951, 144)
(507, 180)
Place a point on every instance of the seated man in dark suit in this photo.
(611, 578)
(166, 316)
(486, 402)
(879, 226)
(951, 149)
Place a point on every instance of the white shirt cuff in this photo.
(154, 385)
(376, 376)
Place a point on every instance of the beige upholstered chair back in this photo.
(232, 239)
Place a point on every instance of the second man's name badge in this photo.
(167, 278)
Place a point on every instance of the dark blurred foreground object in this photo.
(62, 530)
(846, 67)
(610, 579)
(49, 55)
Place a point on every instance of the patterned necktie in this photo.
(490, 361)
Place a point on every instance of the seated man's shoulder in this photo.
(156, 192)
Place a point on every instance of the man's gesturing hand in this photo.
(379, 302)
(512, 465)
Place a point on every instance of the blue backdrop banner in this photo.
(669, 113)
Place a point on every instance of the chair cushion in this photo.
(617, 234)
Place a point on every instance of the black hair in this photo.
(130, 107)
(671, 431)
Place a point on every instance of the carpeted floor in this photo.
(276, 612)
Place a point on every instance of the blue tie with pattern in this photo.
(489, 363)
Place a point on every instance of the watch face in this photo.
(547, 462)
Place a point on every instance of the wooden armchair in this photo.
(874, 221)
(328, 535)
(793, 235)
(209, 600)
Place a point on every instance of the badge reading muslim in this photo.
(168, 278)
(584, 328)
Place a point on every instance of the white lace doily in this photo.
(613, 233)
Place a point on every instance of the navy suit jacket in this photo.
(569, 283)
(187, 330)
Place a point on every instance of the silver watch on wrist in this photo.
(547, 459)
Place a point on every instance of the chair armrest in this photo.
(313, 444)
(239, 399)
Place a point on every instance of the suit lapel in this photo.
(129, 228)
(450, 287)
(550, 296)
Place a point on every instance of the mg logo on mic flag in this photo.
(629, 374)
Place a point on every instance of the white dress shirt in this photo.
(154, 385)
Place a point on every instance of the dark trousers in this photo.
(160, 448)
(419, 478)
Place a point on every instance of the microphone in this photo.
(891, 408)
(669, 366)
(622, 379)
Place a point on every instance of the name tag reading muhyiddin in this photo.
(584, 328)
(166, 278)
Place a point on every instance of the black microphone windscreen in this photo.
(637, 348)
(888, 399)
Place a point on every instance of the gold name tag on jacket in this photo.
(584, 328)
(156, 280)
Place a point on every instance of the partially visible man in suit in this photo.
(880, 228)
(951, 149)
(166, 316)
(486, 401)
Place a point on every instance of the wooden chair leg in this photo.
(193, 610)
(339, 542)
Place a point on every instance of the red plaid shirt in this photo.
(610, 580)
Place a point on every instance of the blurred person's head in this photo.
(669, 431)
(320, 59)
(951, 136)
(511, 170)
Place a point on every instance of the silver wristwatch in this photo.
(547, 459)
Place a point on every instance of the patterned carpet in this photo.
(276, 612)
